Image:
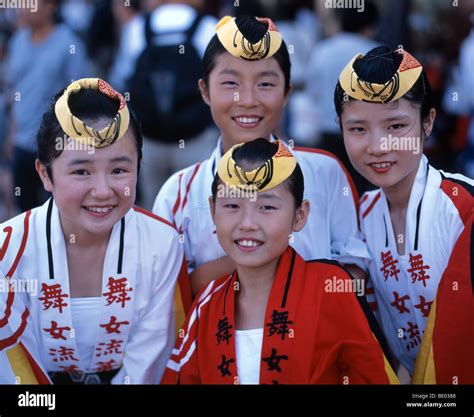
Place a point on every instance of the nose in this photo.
(377, 143)
(247, 97)
(101, 188)
(247, 220)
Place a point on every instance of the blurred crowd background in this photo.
(41, 52)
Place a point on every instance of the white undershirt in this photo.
(248, 349)
(85, 319)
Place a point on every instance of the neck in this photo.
(80, 238)
(255, 282)
(127, 17)
(227, 143)
(40, 33)
(398, 195)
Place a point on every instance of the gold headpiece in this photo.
(401, 82)
(235, 43)
(270, 174)
(78, 130)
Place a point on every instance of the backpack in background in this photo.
(163, 89)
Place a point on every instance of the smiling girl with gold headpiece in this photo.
(105, 271)
(246, 83)
(274, 320)
(418, 224)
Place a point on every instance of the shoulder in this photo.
(213, 291)
(14, 237)
(64, 34)
(181, 181)
(459, 192)
(460, 181)
(326, 276)
(153, 222)
(327, 267)
(318, 160)
(17, 220)
(19, 39)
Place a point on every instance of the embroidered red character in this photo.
(399, 303)
(56, 332)
(53, 297)
(413, 334)
(424, 306)
(113, 326)
(418, 268)
(106, 366)
(118, 289)
(63, 354)
(70, 368)
(113, 346)
(389, 265)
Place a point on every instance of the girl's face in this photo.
(384, 141)
(246, 98)
(93, 188)
(254, 232)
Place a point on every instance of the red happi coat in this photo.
(311, 336)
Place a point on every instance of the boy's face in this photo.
(246, 98)
(255, 231)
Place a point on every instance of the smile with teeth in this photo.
(247, 120)
(382, 164)
(249, 243)
(99, 209)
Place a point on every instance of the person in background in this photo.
(326, 61)
(131, 42)
(177, 126)
(42, 57)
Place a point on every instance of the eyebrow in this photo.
(269, 73)
(88, 161)
(121, 159)
(79, 162)
(270, 196)
(388, 119)
(396, 117)
(229, 71)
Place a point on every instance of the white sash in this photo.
(54, 299)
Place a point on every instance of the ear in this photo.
(43, 174)
(212, 207)
(203, 88)
(429, 122)
(301, 216)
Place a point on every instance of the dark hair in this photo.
(135, 5)
(352, 20)
(378, 66)
(87, 105)
(255, 153)
(253, 30)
